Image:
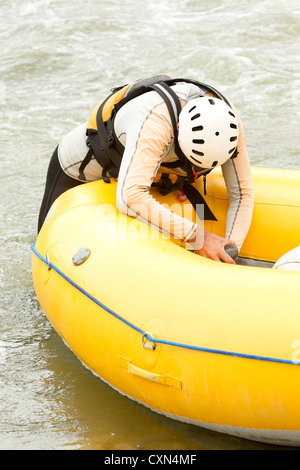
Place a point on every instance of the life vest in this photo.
(103, 143)
(101, 138)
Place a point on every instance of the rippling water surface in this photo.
(57, 60)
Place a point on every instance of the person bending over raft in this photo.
(166, 133)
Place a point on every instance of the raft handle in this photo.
(168, 380)
(145, 345)
(48, 262)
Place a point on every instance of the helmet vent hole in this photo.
(232, 150)
(231, 114)
(195, 116)
(233, 126)
(214, 163)
(232, 139)
(192, 109)
(198, 141)
(217, 133)
(211, 101)
(196, 152)
(197, 128)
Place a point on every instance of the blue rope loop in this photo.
(147, 335)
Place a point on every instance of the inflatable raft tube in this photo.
(207, 343)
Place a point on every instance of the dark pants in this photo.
(57, 182)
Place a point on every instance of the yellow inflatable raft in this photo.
(207, 343)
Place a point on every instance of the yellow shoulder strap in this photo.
(108, 107)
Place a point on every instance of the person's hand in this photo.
(213, 246)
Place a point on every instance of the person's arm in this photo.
(144, 148)
(146, 141)
(237, 175)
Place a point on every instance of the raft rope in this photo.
(147, 335)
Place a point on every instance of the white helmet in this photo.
(208, 131)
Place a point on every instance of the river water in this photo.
(58, 59)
